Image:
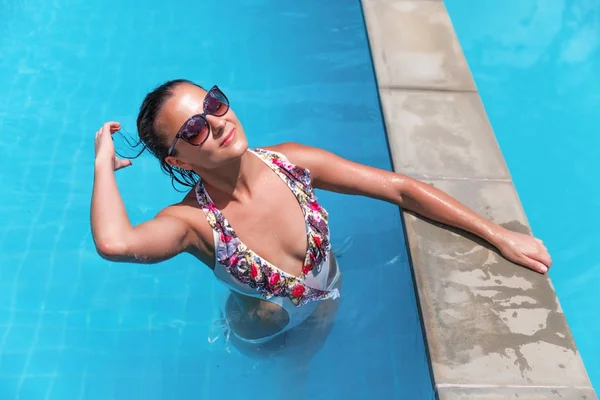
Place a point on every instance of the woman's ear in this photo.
(176, 162)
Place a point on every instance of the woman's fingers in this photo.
(119, 163)
(535, 265)
(110, 127)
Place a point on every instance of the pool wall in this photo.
(494, 330)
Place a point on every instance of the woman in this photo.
(253, 216)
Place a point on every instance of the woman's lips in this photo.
(228, 138)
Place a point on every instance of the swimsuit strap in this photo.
(316, 217)
(297, 178)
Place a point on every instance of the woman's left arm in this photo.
(333, 173)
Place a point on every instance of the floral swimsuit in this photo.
(244, 271)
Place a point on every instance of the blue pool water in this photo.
(536, 65)
(73, 326)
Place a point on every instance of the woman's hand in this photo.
(105, 148)
(524, 250)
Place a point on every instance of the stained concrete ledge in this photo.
(505, 393)
(412, 46)
(494, 330)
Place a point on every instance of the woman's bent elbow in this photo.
(111, 250)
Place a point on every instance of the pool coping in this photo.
(493, 329)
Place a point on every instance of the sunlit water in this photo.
(73, 326)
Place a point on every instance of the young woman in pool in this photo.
(252, 216)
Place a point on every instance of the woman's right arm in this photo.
(116, 239)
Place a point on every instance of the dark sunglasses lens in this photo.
(216, 103)
(195, 130)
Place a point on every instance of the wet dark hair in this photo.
(153, 140)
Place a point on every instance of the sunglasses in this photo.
(196, 129)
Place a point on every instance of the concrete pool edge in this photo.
(493, 329)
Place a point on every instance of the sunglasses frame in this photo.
(215, 88)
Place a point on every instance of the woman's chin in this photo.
(238, 147)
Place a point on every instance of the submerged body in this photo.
(252, 216)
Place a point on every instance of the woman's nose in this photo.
(217, 124)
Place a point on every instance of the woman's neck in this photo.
(232, 181)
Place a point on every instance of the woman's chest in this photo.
(272, 224)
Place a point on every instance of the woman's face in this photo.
(224, 142)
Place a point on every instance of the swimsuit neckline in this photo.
(248, 267)
(307, 230)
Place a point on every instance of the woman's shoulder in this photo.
(287, 147)
(184, 209)
(188, 211)
(296, 153)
